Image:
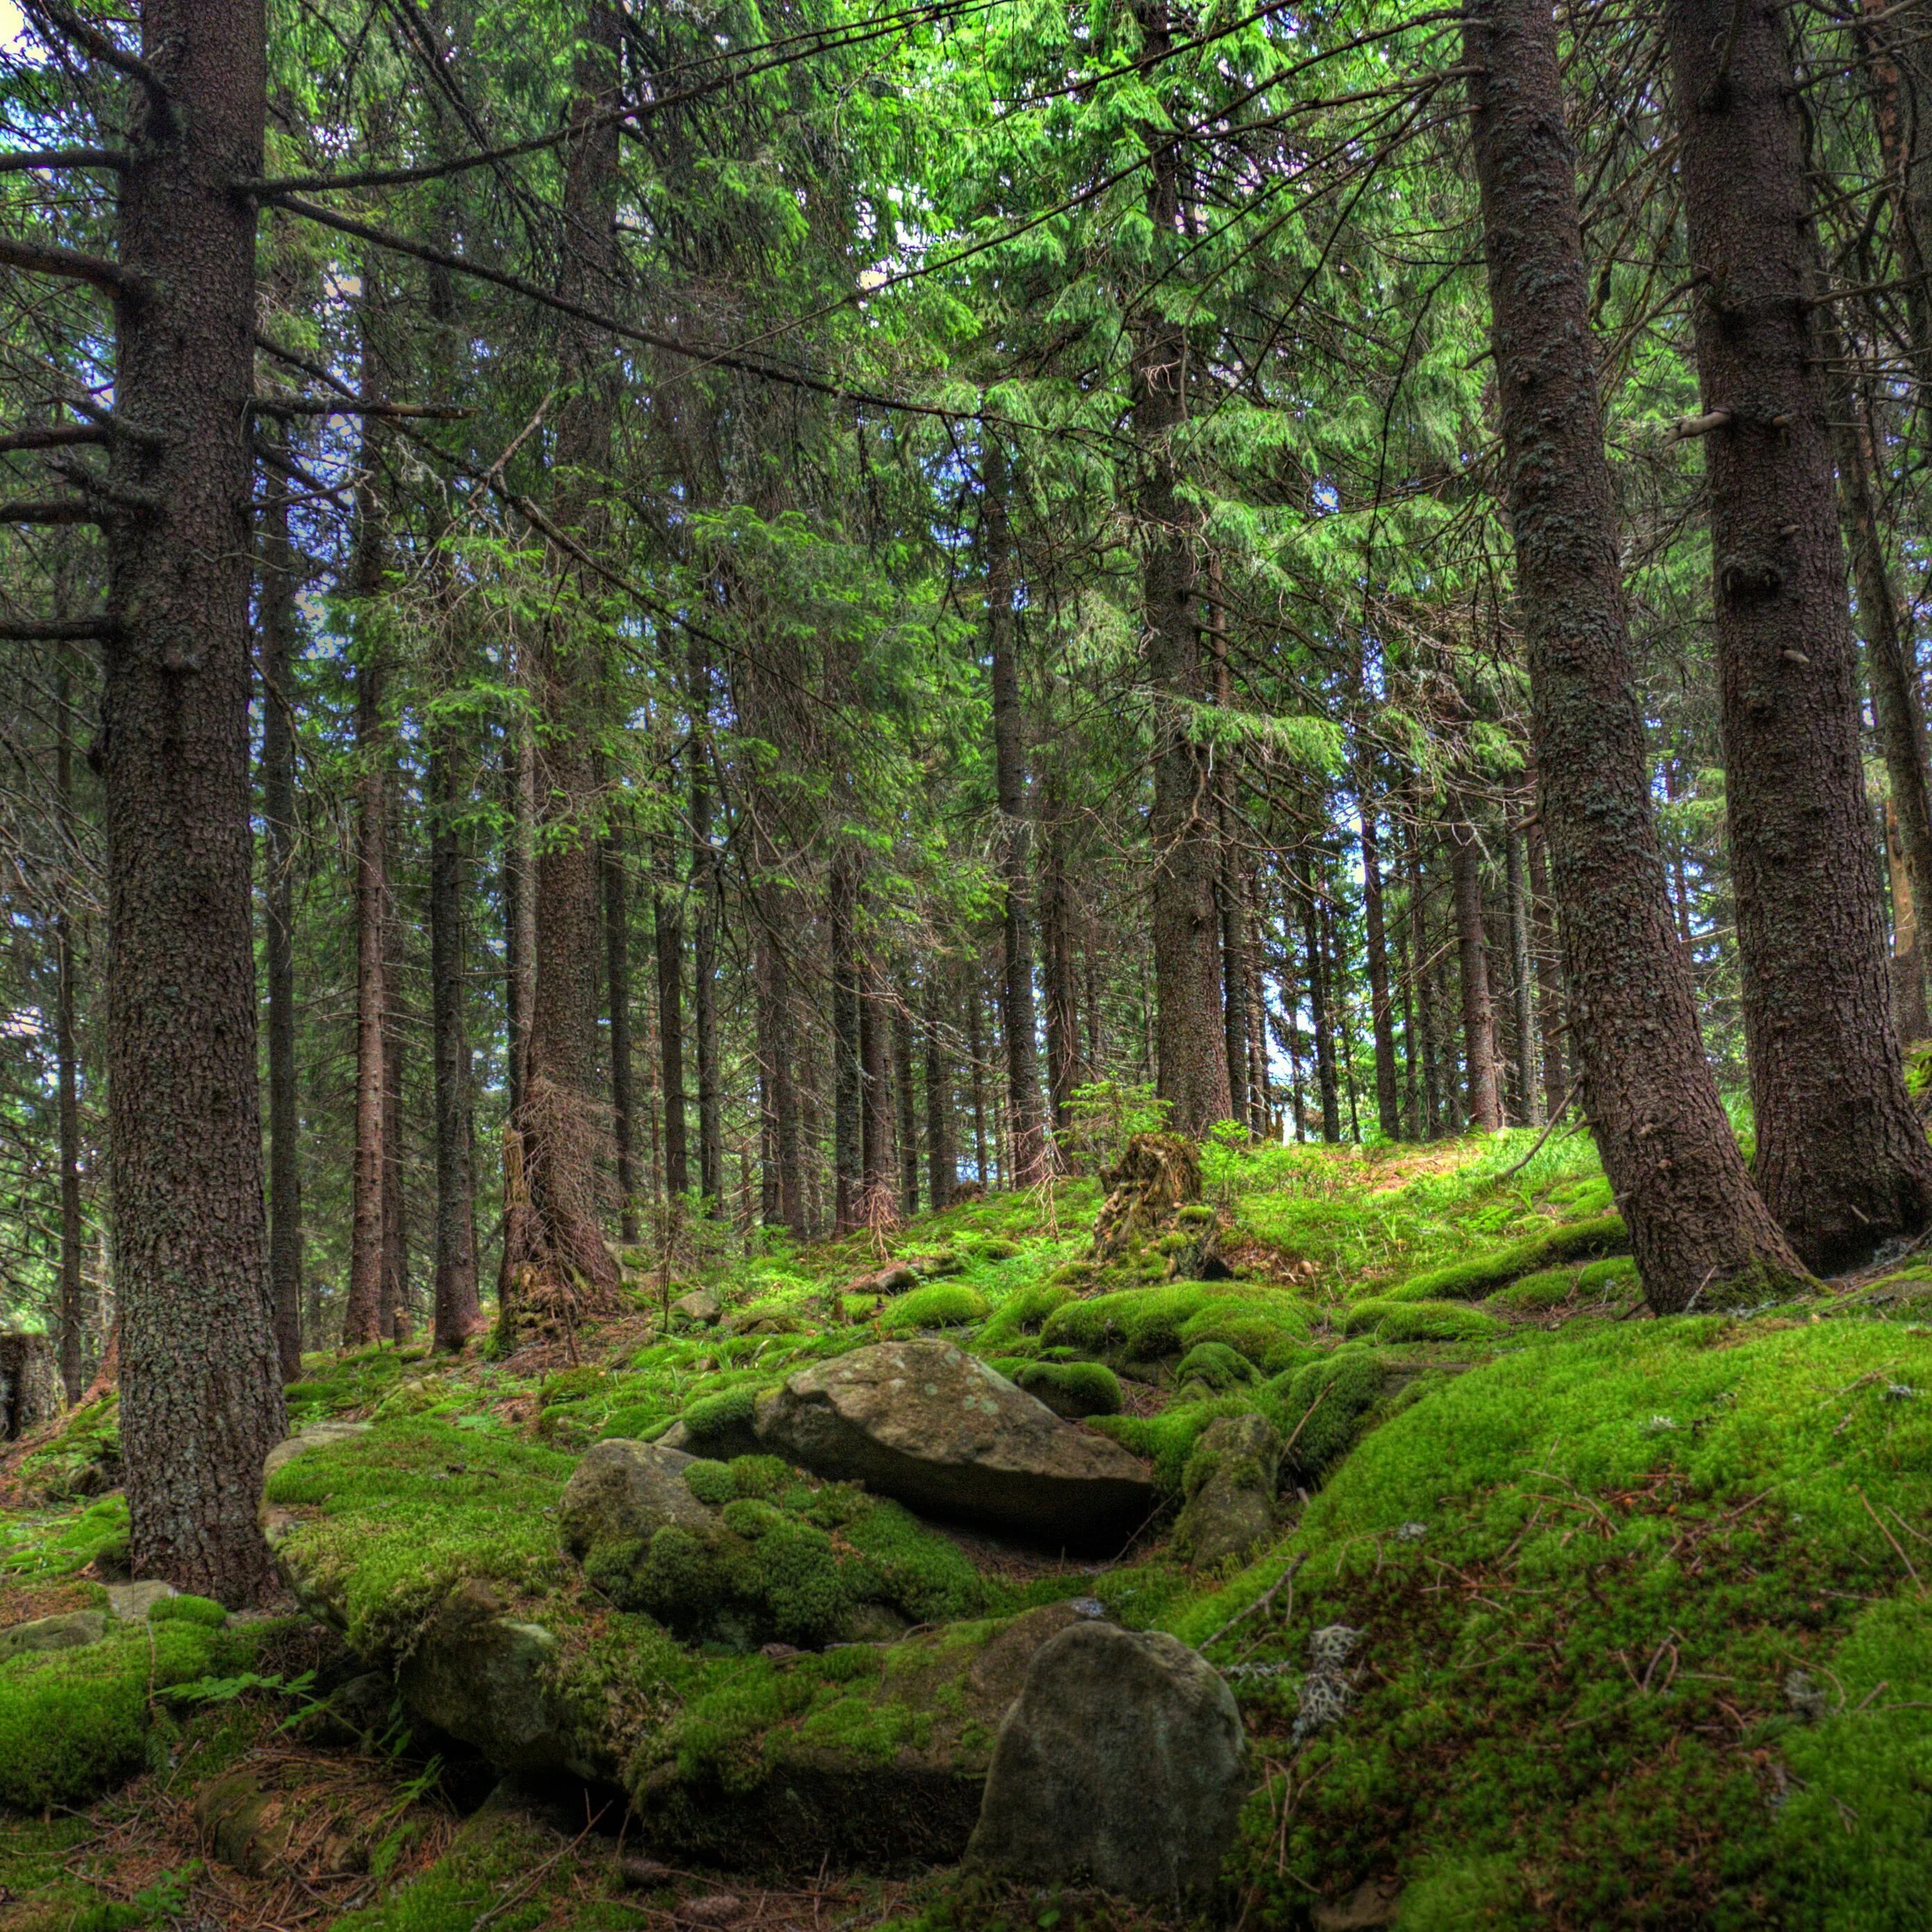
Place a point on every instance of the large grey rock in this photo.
(927, 1424)
(624, 1491)
(132, 1602)
(1230, 1482)
(316, 1435)
(72, 1631)
(1121, 1765)
(700, 1308)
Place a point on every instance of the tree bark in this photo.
(1056, 961)
(73, 1309)
(975, 1050)
(1701, 1234)
(704, 894)
(1842, 1159)
(1529, 1102)
(396, 1311)
(201, 1395)
(1549, 1024)
(617, 994)
(1388, 1104)
(1319, 1015)
(941, 1167)
(1479, 1019)
(879, 1191)
(1016, 1001)
(841, 915)
(1428, 1024)
(1190, 1054)
(908, 1100)
(554, 1252)
(362, 1307)
(668, 929)
(456, 1315)
(279, 640)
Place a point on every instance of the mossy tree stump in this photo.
(1154, 1218)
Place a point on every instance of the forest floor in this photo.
(1644, 1637)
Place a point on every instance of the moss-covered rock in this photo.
(1075, 1390)
(940, 1304)
(1392, 1320)
(1230, 1485)
(1482, 1274)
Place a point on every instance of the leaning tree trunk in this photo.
(1842, 1159)
(201, 1400)
(555, 1258)
(1699, 1231)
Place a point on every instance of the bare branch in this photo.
(93, 42)
(1687, 427)
(327, 405)
(38, 260)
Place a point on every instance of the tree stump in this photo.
(29, 1384)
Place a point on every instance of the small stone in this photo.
(1087, 1607)
(1804, 1698)
(643, 1874)
(74, 1631)
(130, 1602)
(1121, 1764)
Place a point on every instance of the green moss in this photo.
(1324, 1404)
(1078, 1388)
(1535, 1294)
(501, 1870)
(939, 1304)
(73, 1722)
(1392, 1320)
(1217, 1364)
(189, 1609)
(412, 1508)
(1617, 1275)
(1146, 1324)
(1465, 1280)
(712, 1482)
(1023, 1310)
(572, 1385)
(725, 1418)
(1647, 1527)
(1168, 1439)
(88, 1441)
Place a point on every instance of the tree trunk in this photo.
(396, 1301)
(1319, 1016)
(1191, 1055)
(1016, 1003)
(1479, 1019)
(941, 1167)
(879, 1203)
(1700, 1233)
(1549, 1024)
(1428, 1021)
(667, 930)
(617, 996)
(976, 1049)
(72, 1309)
(848, 1170)
(1388, 1104)
(362, 1307)
(1056, 961)
(278, 606)
(908, 1100)
(1529, 1104)
(455, 1316)
(201, 1397)
(704, 884)
(1842, 1158)
(519, 932)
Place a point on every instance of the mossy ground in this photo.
(1587, 1552)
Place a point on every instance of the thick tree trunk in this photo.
(879, 1189)
(455, 1316)
(1191, 1055)
(1842, 1158)
(555, 1260)
(617, 996)
(518, 945)
(1057, 970)
(201, 1396)
(1016, 1001)
(848, 1166)
(278, 606)
(908, 1100)
(1700, 1232)
(1479, 1017)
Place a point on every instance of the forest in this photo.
(962, 964)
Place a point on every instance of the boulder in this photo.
(1122, 1765)
(701, 1308)
(131, 1602)
(490, 1679)
(625, 1492)
(316, 1435)
(74, 1631)
(1230, 1485)
(927, 1424)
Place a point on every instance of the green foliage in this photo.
(939, 1304)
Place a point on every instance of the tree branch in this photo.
(326, 405)
(22, 159)
(93, 43)
(56, 630)
(51, 436)
(1687, 427)
(37, 259)
(534, 292)
(47, 510)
